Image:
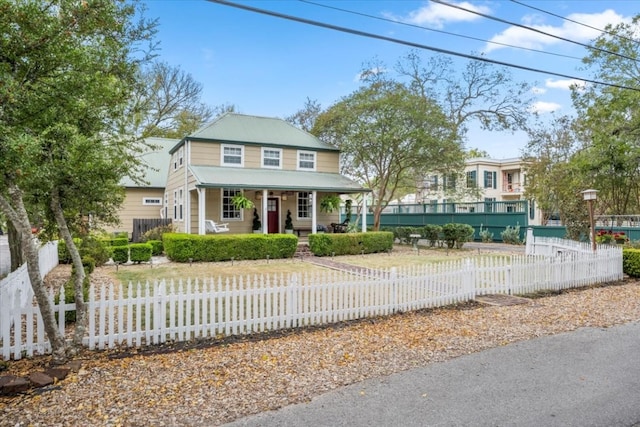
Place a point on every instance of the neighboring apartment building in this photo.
(494, 181)
(274, 164)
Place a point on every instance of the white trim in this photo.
(222, 218)
(315, 160)
(262, 158)
(147, 201)
(237, 165)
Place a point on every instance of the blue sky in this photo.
(268, 66)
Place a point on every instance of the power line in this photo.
(610, 33)
(515, 24)
(412, 44)
(436, 31)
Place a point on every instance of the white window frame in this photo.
(222, 155)
(309, 206)
(275, 150)
(180, 157)
(175, 204)
(152, 201)
(239, 212)
(315, 161)
(166, 204)
(180, 205)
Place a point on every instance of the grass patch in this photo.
(142, 273)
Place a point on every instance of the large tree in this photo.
(387, 134)
(67, 69)
(554, 173)
(480, 92)
(610, 118)
(166, 103)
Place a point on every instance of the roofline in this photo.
(287, 188)
(259, 144)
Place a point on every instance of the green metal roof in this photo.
(156, 162)
(240, 128)
(287, 180)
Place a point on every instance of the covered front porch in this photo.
(273, 195)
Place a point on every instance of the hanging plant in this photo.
(330, 203)
(240, 201)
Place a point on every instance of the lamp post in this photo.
(590, 196)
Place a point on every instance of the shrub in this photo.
(511, 235)
(631, 262)
(182, 247)
(156, 247)
(350, 243)
(96, 249)
(120, 254)
(456, 235)
(69, 295)
(157, 232)
(486, 235)
(432, 233)
(140, 252)
(64, 257)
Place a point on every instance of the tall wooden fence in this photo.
(142, 225)
(140, 314)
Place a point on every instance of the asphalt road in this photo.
(589, 377)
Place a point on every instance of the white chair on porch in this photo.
(215, 227)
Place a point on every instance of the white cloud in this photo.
(564, 84)
(538, 90)
(545, 107)
(523, 37)
(437, 15)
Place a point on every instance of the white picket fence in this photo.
(15, 289)
(151, 313)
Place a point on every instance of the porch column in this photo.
(364, 213)
(201, 210)
(314, 219)
(265, 212)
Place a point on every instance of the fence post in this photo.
(530, 243)
(393, 277)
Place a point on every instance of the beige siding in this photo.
(133, 207)
(205, 153)
(328, 162)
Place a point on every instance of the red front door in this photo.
(273, 215)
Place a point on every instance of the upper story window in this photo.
(471, 179)
(178, 158)
(232, 155)
(272, 158)
(490, 179)
(306, 160)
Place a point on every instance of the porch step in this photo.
(303, 251)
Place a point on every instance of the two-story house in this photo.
(271, 162)
(492, 180)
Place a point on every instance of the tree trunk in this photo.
(15, 248)
(79, 276)
(17, 214)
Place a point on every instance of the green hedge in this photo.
(350, 243)
(140, 252)
(120, 254)
(156, 247)
(456, 235)
(182, 247)
(631, 262)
